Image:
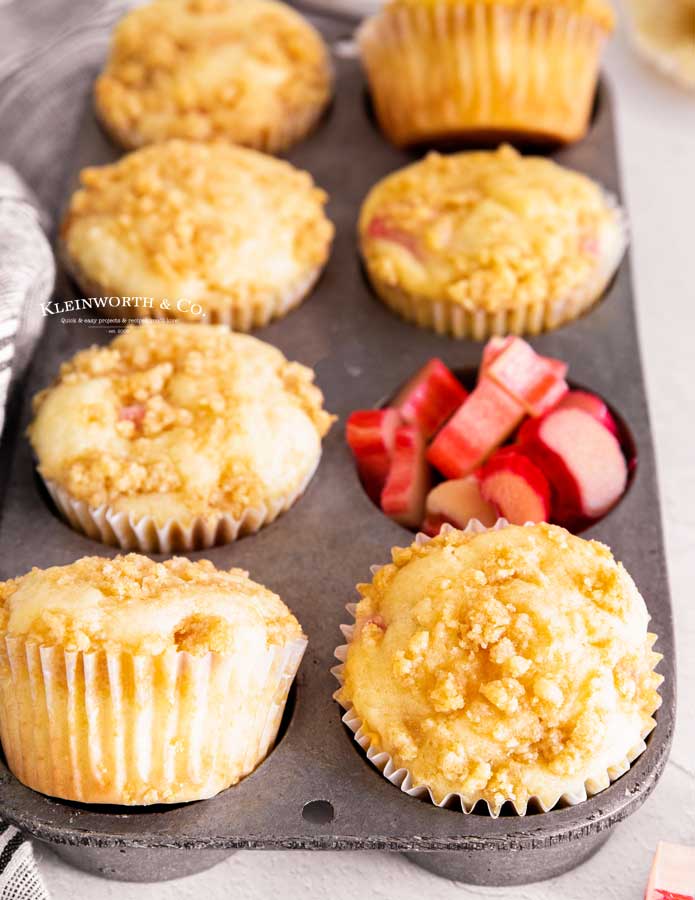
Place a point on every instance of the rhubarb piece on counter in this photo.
(580, 458)
(492, 350)
(408, 481)
(537, 382)
(673, 873)
(457, 502)
(430, 398)
(591, 404)
(516, 486)
(370, 434)
(485, 420)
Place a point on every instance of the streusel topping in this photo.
(487, 230)
(132, 603)
(504, 665)
(209, 69)
(176, 420)
(211, 223)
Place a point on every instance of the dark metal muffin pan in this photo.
(317, 790)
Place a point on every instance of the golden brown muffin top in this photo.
(210, 223)
(178, 420)
(207, 69)
(132, 603)
(503, 665)
(487, 230)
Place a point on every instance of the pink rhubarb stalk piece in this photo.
(516, 486)
(382, 229)
(673, 873)
(457, 502)
(403, 497)
(485, 420)
(134, 413)
(371, 434)
(538, 383)
(492, 350)
(591, 404)
(580, 458)
(430, 398)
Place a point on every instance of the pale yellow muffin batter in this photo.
(240, 233)
(484, 242)
(253, 72)
(135, 682)
(504, 666)
(176, 422)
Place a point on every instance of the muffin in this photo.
(177, 437)
(665, 35)
(254, 73)
(483, 70)
(134, 682)
(200, 231)
(489, 243)
(508, 665)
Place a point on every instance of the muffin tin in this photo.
(317, 790)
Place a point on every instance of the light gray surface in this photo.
(657, 125)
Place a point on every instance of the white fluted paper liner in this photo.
(114, 727)
(121, 529)
(253, 312)
(450, 318)
(402, 778)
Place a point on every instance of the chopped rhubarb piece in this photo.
(457, 502)
(492, 350)
(485, 420)
(370, 434)
(382, 229)
(430, 397)
(673, 873)
(536, 382)
(403, 497)
(580, 458)
(591, 404)
(516, 486)
(134, 413)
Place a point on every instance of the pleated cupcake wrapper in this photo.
(243, 316)
(113, 727)
(145, 534)
(444, 69)
(403, 778)
(450, 318)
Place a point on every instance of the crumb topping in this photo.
(208, 69)
(506, 665)
(601, 11)
(487, 230)
(132, 603)
(179, 420)
(214, 224)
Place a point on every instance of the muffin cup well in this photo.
(146, 535)
(446, 70)
(114, 727)
(447, 317)
(241, 316)
(402, 778)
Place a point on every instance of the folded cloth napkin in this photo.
(19, 877)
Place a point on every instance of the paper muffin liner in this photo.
(146, 535)
(446, 69)
(447, 317)
(114, 727)
(403, 778)
(239, 316)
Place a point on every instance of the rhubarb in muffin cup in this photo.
(177, 437)
(131, 682)
(509, 665)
